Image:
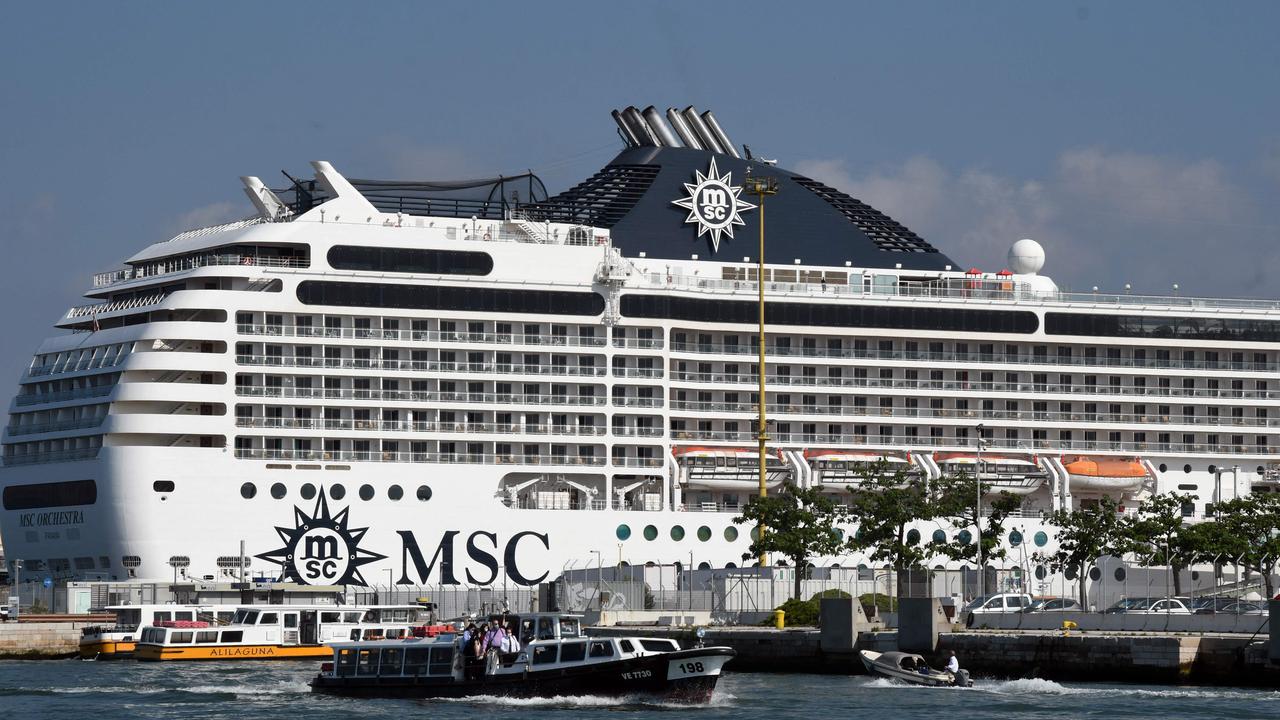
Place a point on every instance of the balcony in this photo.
(431, 366)
(412, 426)
(26, 399)
(421, 396)
(51, 457)
(418, 336)
(413, 457)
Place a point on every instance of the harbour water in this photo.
(102, 690)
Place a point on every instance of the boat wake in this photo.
(588, 701)
(1038, 686)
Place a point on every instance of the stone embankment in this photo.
(46, 636)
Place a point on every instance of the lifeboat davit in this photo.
(1012, 473)
(848, 467)
(1094, 472)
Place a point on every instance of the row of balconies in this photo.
(445, 457)
(444, 336)
(446, 397)
(423, 426)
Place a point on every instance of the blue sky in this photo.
(1139, 142)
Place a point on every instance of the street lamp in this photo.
(761, 187)
(977, 514)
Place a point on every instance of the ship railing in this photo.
(59, 426)
(418, 396)
(871, 411)
(637, 402)
(640, 343)
(108, 360)
(890, 442)
(815, 380)
(969, 358)
(422, 365)
(624, 431)
(40, 458)
(417, 336)
(419, 426)
(419, 457)
(637, 372)
(96, 309)
(977, 289)
(64, 395)
(171, 266)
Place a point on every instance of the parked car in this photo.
(1152, 606)
(993, 605)
(1053, 604)
(1226, 606)
(4, 613)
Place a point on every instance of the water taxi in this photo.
(283, 632)
(912, 669)
(558, 661)
(110, 642)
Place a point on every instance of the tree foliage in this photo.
(956, 499)
(1086, 534)
(1159, 534)
(885, 503)
(801, 523)
(1247, 530)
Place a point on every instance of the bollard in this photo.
(1067, 627)
(779, 619)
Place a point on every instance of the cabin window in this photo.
(232, 636)
(573, 652)
(291, 620)
(659, 645)
(569, 627)
(182, 616)
(415, 661)
(391, 659)
(626, 646)
(346, 662)
(180, 638)
(367, 662)
(153, 635)
(270, 619)
(600, 649)
(544, 654)
(224, 617)
(546, 629)
(208, 636)
(441, 661)
(330, 617)
(163, 616)
(351, 617)
(250, 618)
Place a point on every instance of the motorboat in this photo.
(913, 669)
(557, 661)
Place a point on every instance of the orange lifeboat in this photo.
(1097, 472)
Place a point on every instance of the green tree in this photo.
(884, 504)
(800, 524)
(955, 498)
(1248, 528)
(1086, 534)
(1158, 535)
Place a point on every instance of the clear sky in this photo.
(1139, 142)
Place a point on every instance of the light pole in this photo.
(761, 187)
(599, 577)
(977, 514)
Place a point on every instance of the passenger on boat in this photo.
(953, 665)
(909, 664)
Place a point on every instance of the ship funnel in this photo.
(659, 127)
(682, 129)
(627, 136)
(700, 129)
(639, 127)
(718, 132)
(268, 204)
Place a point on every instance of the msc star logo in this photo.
(714, 204)
(320, 549)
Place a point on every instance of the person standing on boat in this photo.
(953, 664)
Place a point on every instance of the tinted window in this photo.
(47, 495)
(1191, 328)
(544, 654)
(441, 661)
(822, 315)
(181, 638)
(659, 645)
(230, 636)
(601, 649)
(626, 646)
(410, 260)
(573, 652)
(415, 661)
(444, 297)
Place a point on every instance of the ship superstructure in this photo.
(470, 383)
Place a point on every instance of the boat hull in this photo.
(164, 653)
(876, 665)
(661, 677)
(106, 649)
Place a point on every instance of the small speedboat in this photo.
(912, 669)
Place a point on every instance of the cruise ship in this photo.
(468, 383)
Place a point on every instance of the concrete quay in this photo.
(41, 640)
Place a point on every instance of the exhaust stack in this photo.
(627, 136)
(659, 127)
(682, 129)
(639, 127)
(700, 129)
(718, 132)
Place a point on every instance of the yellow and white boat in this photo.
(270, 632)
(111, 642)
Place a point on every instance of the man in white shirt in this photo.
(953, 665)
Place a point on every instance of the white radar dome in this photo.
(1026, 257)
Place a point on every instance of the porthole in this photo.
(704, 533)
(307, 491)
(1213, 469)
(913, 537)
(704, 566)
(623, 532)
(1041, 573)
(1070, 573)
(1164, 467)
(278, 490)
(1095, 574)
(248, 490)
(1186, 468)
(1120, 574)
(162, 486)
(755, 534)
(1015, 538)
(1195, 575)
(1260, 469)
(939, 536)
(650, 532)
(730, 565)
(1041, 538)
(651, 564)
(677, 533)
(395, 492)
(965, 537)
(731, 534)
(366, 492)
(337, 491)
(424, 492)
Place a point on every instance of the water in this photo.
(102, 690)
